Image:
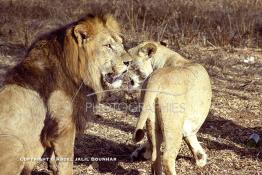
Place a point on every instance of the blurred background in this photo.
(236, 23)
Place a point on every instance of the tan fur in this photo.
(176, 103)
(43, 101)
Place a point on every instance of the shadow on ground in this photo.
(219, 127)
(88, 146)
(216, 127)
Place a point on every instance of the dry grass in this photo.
(214, 33)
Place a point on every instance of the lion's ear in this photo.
(148, 50)
(80, 33)
(111, 23)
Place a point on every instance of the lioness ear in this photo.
(111, 23)
(164, 43)
(80, 34)
(148, 50)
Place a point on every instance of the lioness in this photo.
(176, 102)
(43, 101)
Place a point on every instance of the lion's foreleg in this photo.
(49, 153)
(61, 132)
(11, 152)
(64, 152)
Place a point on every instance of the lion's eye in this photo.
(109, 46)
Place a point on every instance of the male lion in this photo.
(176, 102)
(42, 103)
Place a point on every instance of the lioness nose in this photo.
(126, 63)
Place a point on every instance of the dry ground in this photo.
(236, 74)
(234, 116)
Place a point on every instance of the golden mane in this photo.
(84, 65)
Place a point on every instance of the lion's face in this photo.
(142, 56)
(112, 58)
(96, 53)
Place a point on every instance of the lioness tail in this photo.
(148, 111)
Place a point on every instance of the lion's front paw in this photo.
(134, 156)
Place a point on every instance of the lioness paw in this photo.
(201, 160)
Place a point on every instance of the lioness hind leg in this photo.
(197, 150)
(155, 140)
(171, 125)
(171, 151)
(172, 135)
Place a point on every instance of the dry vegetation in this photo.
(217, 23)
(223, 35)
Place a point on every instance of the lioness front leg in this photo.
(143, 151)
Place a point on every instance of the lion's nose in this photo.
(126, 63)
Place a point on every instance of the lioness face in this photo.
(142, 58)
(105, 59)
